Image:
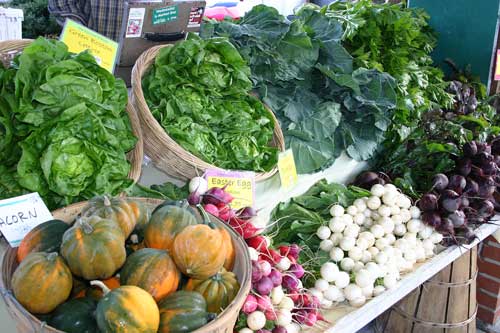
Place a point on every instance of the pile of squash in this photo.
(121, 268)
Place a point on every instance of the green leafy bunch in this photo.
(64, 130)
(302, 71)
(396, 40)
(199, 91)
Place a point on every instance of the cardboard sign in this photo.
(240, 184)
(195, 17)
(497, 67)
(135, 22)
(287, 170)
(165, 14)
(21, 214)
(79, 38)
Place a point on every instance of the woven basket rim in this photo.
(136, 155)
(151, 125)
(225, 318)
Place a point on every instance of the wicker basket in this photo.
(10, 48)
(166, 154)
(28, 323)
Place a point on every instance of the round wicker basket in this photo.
(10, 48)
(166, 154)
(28, 323)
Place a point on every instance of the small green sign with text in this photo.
(165, 14)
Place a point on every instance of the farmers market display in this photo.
(354, 78)
(94, 275)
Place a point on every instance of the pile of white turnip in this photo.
(370, 243)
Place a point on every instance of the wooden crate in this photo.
(446, 303)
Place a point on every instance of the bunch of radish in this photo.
(370, 243)
(277, 303)
(217, 202)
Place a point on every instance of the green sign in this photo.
(165, 14)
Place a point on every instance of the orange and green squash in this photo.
(218, 290)
(183, 312)
(41, 282)
(96, 293)
(75, 316)
(126, 213)
(166, 222)
(198, 251)
(152, 270)
(126, 309)
(228, 249)
(45, 237)
(94, 248)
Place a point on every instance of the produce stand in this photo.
(284, 175)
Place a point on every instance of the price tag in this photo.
(79, 38)
(497, 67)
(240, 184)
(21, 214)
(287, 170)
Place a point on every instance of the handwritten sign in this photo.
(79, 38)
(497, 67)
(21, 214)
(240, 184)
(287, 170)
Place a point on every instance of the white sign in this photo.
(135, 22)
(21, 214)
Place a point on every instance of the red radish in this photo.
(245, 228)
(300, 316)
(217, 196)
(305, 300)
(294, 296)
(226, 213)
(280, 329)
(263, 330)
(194, 198)
(265, 267)
(271, 256)
(264, 286)
(260, 243)
(276, 277)
(211, 209)
(292, 259)
(295, 251)
(264, 303)
(284, 250)
(311, 319)
(246, 213)
(250, 304)
(271, 315)
(256, 272)
(290, 282)
(297, 270)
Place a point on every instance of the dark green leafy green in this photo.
(166, 191)
(307, 77)
(396, 40)
(64, 129)
(199, 92)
